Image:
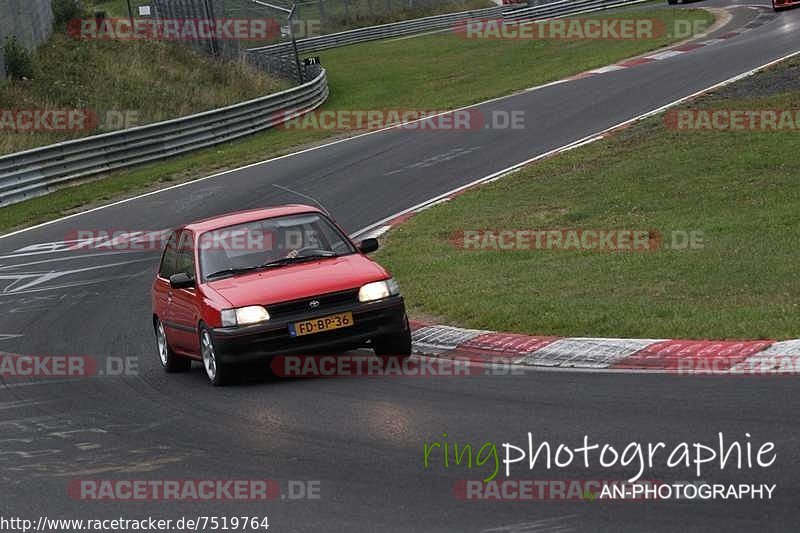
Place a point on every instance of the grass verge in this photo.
(431, 72)
(738, 189)
(333, 17)
(349, 14)
(161, 80)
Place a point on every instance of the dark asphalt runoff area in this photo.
(361, 440)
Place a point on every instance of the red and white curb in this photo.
(381, 227)
(762, 18)
(757, 357)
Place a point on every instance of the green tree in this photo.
(66, 10)
(18, 61)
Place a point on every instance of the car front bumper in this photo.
(272, 339)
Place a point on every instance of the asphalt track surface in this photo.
(362, 438)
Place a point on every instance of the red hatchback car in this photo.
(249, 286)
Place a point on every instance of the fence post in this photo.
(300, 77)
(323, 15)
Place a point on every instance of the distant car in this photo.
(248, 286)
(779, 5)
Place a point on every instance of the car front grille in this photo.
(304, 306)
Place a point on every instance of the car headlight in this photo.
(378, 290)
(244, 316)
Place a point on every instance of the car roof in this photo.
(243, 217)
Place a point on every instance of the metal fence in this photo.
(510, 14)
(563, 8)
(314, 20)
(383, 31)
(199, 9)
(320, 17)
(30, 21)
(36, 172)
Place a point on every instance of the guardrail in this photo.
(563, 8)
(38, 171)
(384, 31)
(548, 9)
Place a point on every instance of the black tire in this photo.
(397, 344)
(169, 361)
(218, 373)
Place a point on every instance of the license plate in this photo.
(317, 325)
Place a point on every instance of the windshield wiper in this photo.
(231, 272)
(299, 259)
(271, 264)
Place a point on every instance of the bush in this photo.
(66, 10)
(17, 59)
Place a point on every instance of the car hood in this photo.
(303, 280)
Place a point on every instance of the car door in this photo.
(184, 303)
(161, 288)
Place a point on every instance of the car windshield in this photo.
(270, 243)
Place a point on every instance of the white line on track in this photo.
(586, 140)
(581, 142)
(50, 382)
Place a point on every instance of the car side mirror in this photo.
(368, 246)
(181, 281)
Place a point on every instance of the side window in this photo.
(185, 262)
(167, 267)
(332, 240)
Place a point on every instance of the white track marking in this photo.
(586, 353)
(482, 180)
(665, 54)
(34, 279)
(610, 68)
(581, 142)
